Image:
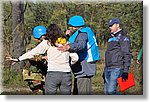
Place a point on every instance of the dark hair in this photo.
(53, 33)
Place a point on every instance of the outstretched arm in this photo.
(40, 49)
(12, 59)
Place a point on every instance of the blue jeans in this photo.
(110, 80)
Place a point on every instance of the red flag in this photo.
(124, 85)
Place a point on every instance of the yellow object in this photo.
(25, 74)
(61, 40)
(32, 76)
(37, 58)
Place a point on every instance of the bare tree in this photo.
(18, 45)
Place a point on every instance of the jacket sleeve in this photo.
(74, 58)
(125, 49)
(39, 49)
(80, 43)
(140, 54)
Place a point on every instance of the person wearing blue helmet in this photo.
(35, 69)
(82, 41)
(39, 31)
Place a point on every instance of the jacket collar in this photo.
(118, 33)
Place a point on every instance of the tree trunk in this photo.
(18, 33)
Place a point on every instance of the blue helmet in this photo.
(76, 21)
(38, 31)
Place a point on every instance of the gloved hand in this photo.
(103, 76)
(124, 76)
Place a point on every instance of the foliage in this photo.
(12, 79)
(96, 15)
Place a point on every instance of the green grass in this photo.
(12, 79)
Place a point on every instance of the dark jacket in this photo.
(118, 51)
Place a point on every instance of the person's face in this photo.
(36, 40)
(39, 40)
(42, 37)
(114, 28)
(72, 29)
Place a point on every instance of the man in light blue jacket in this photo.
(83, 42)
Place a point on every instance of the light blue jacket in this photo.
(92, 51)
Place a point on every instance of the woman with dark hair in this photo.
(59, 71)
(53, 33)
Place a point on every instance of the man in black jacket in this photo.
(117, 57)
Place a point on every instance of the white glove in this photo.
(74, 58)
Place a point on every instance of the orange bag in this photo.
(126, 84)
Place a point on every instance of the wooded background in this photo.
(19, 19)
